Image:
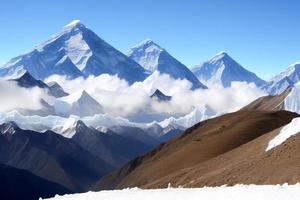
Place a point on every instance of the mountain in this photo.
(75, 51)
(79, 103)
(56, 89)
(160, 96)
(115, 149)
(154, 58)
(19, 184)
(28, 81)
(223, 70)
(51, 157)
(230, 149)
(285, 79)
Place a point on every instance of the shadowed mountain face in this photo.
(51, 157)
(180, 161)
(115, 149)
(160, 96)
(19, 184)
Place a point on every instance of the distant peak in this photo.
(222, 53)
(80, 125)
(149, 43)
(84, 93)
(26, 75)
(157, 91)
(73, 24)
(220, 56)
(8, 127)
(295, 63)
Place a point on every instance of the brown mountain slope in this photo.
(275, 102)
(175, 160)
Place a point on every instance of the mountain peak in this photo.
(160, 96)
(8, 128)
(220, 56)
(73, 24)
(26, 75)
(148, 44)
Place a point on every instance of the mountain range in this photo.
(72, 145)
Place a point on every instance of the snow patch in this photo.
(286, 132)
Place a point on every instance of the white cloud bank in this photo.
(120, 99)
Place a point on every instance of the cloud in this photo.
(121, 99)
(14, 97)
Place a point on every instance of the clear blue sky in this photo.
(262, 35)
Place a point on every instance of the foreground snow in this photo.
(238, 192)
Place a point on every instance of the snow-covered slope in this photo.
(285, 79)
(75, 51)
(237, 192)
(154, 58)
(222, 70)
(79, 103)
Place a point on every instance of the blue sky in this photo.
(262, 35)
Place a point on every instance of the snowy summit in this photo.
(222, 70)
(154, 58)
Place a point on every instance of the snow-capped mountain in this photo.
(222, 70)
(79, 103)
(75, 51)
(160, 96)
(154, 58)
(285, 79)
